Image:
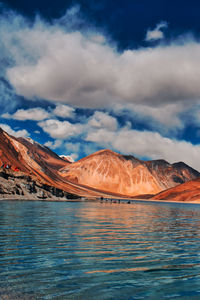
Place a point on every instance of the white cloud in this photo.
(64, 111)
(17, 133)
(74, 147)
(39, 114)
(53, 145)
(166, 119)
(156, 34)
(103, 120)
(34, 114)
(167, 115)
(60, 130)
(74, 156)
(64, 129)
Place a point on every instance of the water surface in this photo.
(63, 250)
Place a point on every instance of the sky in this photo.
(80, 76)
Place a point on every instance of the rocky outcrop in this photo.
(23, 186)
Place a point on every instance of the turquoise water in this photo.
(62, 250)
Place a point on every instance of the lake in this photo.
(86, 250)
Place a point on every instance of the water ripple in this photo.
(98, 250)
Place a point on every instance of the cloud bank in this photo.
(48, 62)
(60, 130)
(34, 114)
(39, 114)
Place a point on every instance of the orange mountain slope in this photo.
(189, 191)
(111, 172)
(29, 157)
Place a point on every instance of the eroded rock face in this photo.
(110, 171)
(24, 187)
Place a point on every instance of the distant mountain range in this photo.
(101, 174)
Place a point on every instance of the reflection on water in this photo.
(99, 250)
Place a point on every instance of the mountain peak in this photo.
(105, 151)
(158, 162)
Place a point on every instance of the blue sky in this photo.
(80, 76)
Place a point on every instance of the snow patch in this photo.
(69, 158)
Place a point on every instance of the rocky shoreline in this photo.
(22, 186)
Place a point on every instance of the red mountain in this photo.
(24, 156)
(29, 157)
(189, 191)
(111, 172)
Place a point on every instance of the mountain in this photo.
(170, 175)
(111, 172)
(189, 191)
(29, 157)
(20, 157)
(102, 174)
